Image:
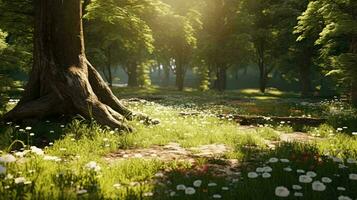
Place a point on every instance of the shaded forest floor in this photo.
(202, 156)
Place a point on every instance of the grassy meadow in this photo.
(78, 159)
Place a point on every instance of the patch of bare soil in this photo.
(171, 152)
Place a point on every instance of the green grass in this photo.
(79, 142)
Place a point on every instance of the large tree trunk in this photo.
(62, 81)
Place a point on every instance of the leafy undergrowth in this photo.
(68, 160)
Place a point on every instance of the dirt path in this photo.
(170, 152)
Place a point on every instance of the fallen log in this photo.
(256, 120)
(247, 120)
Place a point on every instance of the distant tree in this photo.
(223, 42)
(17, 56)
(261, 29)
(117, 30)
(183, 25)
(337, 37)
(292, 58)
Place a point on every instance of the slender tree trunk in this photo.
(305, 62)
(354, 92)
(110, 76)
(166, 79)
(262, 78)
(263, 72)
(221, 81)
(180, 75)
(305, 80)
(353, 50)
(133, 75)
(62, 81)
(159, 73)
(109, 68)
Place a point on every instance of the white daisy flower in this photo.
(318, 186)
(148, 194)
(353, 177)
(326, 180)
(252, 175)
(351, 161)
(172, 193)
(225, 188)
(337, 160)
(197, 183)
(92, 165)
(297, 187)
(266, 175)
(342, 166)
(298, 194)
(273, 160)
(284, 160)
(260, 170)
(52, 158)
(288, 169)
(19, 180)
(268, 169)
(159, 175)
(344, 198)
(341, 188)
(311, 174)
(212, 184)
(300, 171)
(37, 151)
(217, 196)
(305, 179)
(282, 191)
(180, 187)
(8, 158)
(190, 191)
(83, 191)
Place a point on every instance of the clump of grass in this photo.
(268, 133)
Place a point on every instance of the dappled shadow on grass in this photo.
(258, 177)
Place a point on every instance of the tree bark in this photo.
(166, 78)
(221, 78)
(353, 50)
(262, 78)
(133, 75)
(354, 93)
(263, 71)
(180, 75)
(109, 68)
(62, 81)
(305, 80)
(305, 61)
